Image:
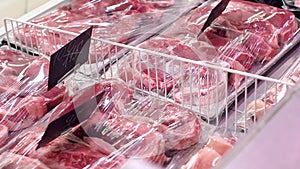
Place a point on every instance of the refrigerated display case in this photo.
(243, 151)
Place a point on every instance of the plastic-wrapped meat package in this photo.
(155, 73)
(244, 38)
(86, 7)
(117, 21)
(48, 42)
(256, 109)
(24, 95)
(208, 156)
(258, 30)
(118, 130)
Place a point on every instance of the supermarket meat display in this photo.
(114, 133)
(117, 21)
(24, 95)
(246, 34)
(128, 123)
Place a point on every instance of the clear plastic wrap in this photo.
(117, 21)
(24, 95)
(125, 126)
(245, 37)
(216, 146)
(256, 109)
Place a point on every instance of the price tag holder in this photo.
(74, 53)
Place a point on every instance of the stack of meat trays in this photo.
(126, 22)
(248, 37)
(23, 92)
(124, 127)
(264, 102)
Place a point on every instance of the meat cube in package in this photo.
(23, 92)
(119, 130)
(244, 37)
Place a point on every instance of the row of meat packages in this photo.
(117, 21)
(245, 37)
(124, 126)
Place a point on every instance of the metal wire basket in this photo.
(199, 85)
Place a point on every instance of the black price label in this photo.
(74, 53)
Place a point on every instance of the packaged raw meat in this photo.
(209, 155)
(262, 104)
(117, 21)
(24, 95)
(124, 127)
(245, 37)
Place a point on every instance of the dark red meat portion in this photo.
(55, 96)
(117, 21)
(9, 86)
(13, 161)
(3, 134)
(137, 140)
(36, 77)
(117, 95)
(63, 154)
(24, 95)
(21, 113)
(180, 127)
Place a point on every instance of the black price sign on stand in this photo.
(74, 53)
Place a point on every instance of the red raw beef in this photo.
(48, 42)
(227, 26)
(199, 16)
(3, 134)
(264, 29)
(153, 73)
(21, 113)
(180, 127)
(229, 62)
(173, 46)
(117, 95)
(284, 20)
(13, 161)
(100, 145)
(161, 3)
(238, 53)
(201, 87)
(13, 62)
(57, 18)
(100, 7)
(133, 139)
(54, 96)
(212, 38)
(62, 153)
(164, 80)
(36, 76)
(258, 47)
(26, 142)
(43, 40)
(108, 162)
(9, 86)
(6, 70)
